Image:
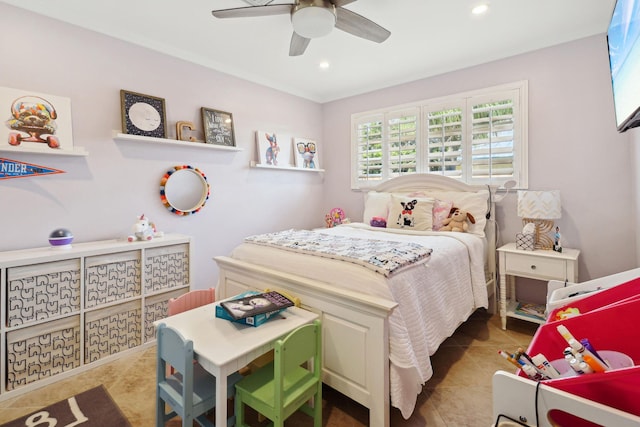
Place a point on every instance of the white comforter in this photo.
(433, 298)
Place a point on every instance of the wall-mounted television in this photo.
(624, 60)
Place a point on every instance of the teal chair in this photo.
(190, 391)
(287, 384)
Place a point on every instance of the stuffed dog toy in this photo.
(35, 116)
(458, 220)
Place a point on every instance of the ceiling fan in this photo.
(312, 19)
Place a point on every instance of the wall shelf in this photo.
(254, 164)
(43, 149)
(117, 136)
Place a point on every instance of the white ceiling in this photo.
(428, 37)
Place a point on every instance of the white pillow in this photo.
(474, 203)
(376, 204)
(411, 213)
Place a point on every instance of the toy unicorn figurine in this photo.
(143, 229)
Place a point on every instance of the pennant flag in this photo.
(14, 169)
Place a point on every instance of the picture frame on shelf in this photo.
(273, 149)
(35, 121)
(218, 127)
(143, 115)
(306, 153)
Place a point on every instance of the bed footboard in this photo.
(355, 330)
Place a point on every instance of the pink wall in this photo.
(100, 195)
(573, 146)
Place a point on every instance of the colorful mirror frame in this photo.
(183, 199)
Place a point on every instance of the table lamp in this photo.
(540, 208)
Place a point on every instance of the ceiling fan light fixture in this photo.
(313, 21)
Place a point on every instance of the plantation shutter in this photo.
(368, 150)
(402, 139)
(478, 137)
(492, 136)
(444, 139)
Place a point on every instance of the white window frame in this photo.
(518, 91)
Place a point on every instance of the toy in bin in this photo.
(624, 292)
(253, 308)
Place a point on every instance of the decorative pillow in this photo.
(376, 204)
(474, 203)
(441, 210)
(412, 213)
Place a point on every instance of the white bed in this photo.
(379, 332)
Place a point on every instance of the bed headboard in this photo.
(425, 182)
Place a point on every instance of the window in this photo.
(478, 137)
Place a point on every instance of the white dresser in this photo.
(67, 309)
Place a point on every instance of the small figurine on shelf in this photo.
(557, 244)
(143, 229)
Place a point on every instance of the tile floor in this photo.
(459, 393)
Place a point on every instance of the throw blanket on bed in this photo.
(381, 256)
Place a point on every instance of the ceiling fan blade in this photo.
(298, 44)
(251, 11)
(340, 3)
(360, 26)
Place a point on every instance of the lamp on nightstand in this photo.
(540, 208)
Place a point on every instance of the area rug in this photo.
(92, 408)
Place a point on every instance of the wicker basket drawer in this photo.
(41, 351)
(112, 277)
(112, 330)
(156, 308)
(42, 291)
(166, 267)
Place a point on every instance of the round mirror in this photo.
(184, 190)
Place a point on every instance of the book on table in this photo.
(253, 308)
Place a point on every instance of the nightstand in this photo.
(540, 265)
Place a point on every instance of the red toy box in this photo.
(621, 293)
(609, 327)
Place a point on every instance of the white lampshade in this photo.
(539, 204)
(313, 21)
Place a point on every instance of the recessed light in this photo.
(480, 9)
(324, 65)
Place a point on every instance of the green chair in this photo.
(286, 385)
(191, 390)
